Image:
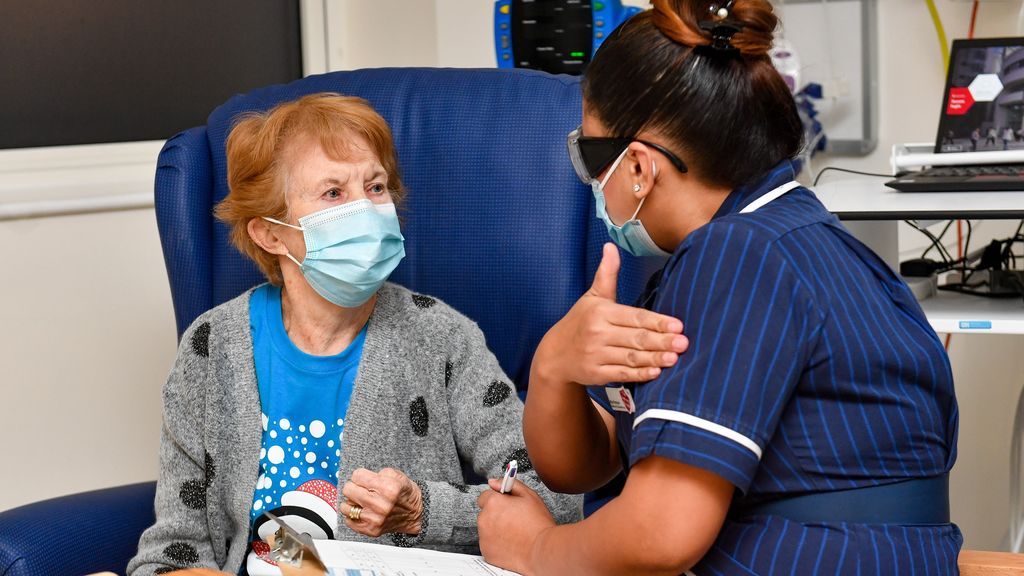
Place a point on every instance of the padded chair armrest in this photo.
(77, 534)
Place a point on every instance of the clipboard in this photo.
(294, 553)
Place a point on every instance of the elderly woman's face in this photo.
(315, 181)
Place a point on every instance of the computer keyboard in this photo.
(985, 178)
(990, 170)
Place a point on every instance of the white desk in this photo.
(867, 198)
(951, 313)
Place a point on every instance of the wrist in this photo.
(416, 524)
(549, 368)
(535, 555)
(545, 367)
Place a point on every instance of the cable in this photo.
(959, 238)
(941, 235)
(967, 244)
(974, 18)
(943, 253)
(940, 32)
(837, 169)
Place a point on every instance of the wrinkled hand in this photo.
(509, 524)
(391, 502)
(599, 341)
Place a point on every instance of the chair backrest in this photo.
(496, 222)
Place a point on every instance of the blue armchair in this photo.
(496, 224)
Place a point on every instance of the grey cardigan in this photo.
(429, 399)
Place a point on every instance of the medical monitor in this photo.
(556, 36)
(983, 104)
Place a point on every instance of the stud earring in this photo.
(636, 187)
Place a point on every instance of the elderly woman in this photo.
(350, 407)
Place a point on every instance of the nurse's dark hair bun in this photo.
(745, 26)
(697, 75)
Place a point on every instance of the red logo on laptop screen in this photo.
(960, 101)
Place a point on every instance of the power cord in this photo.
(947, 258)
(941, 236)
(838, 169)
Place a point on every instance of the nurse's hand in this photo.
(509, 525)
(387, 501)
(599, 341)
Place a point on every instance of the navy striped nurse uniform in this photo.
(811, 368)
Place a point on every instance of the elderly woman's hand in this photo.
(599, 341)
(509, 525)
(382, 502)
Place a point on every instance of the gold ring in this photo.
(354, 511)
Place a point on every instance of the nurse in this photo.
(810, 424)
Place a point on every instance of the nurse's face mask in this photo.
(351, 249)
(590, 156)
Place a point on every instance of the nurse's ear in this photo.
(643, 170)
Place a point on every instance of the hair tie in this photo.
(722, 28)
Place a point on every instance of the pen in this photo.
(509, 478)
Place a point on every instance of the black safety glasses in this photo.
(590, 155)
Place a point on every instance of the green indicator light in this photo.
(576, 54)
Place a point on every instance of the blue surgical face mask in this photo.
(351, 250)
(631, 236)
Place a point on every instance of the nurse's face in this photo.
(620, 201)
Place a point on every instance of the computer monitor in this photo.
(109, 71)
(983, 105)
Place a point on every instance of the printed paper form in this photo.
(362, 559)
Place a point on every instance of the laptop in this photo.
(982, 111)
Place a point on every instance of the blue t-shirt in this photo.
(811, 368)
(303, 399)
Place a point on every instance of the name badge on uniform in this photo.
(621, 399)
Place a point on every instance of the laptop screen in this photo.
(983, 106)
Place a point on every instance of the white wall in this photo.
(88, 327)
(87, 340)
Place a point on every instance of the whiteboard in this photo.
(837, 44)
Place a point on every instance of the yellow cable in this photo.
(941, 32)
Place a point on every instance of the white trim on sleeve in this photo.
(691, 420)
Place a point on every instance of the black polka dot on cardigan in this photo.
(210, 468)
(201, 340)
(522, 459)
(193, 494)
(402, 540)
(496, 393)
(423, 301)
(418, 416)
(182, 553)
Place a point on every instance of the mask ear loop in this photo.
(654, 173)
(611, 170)
(293, 226)
(269, 219)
